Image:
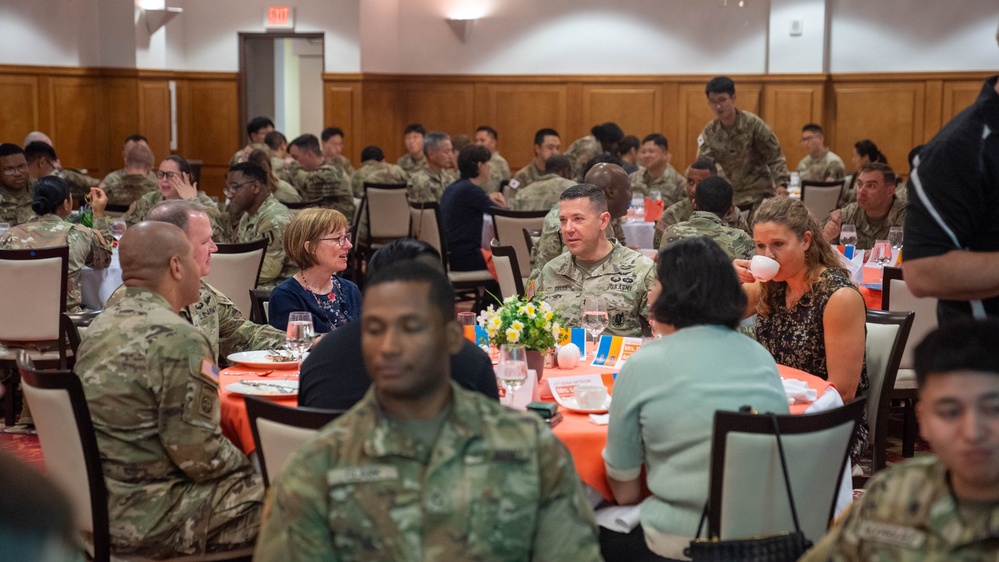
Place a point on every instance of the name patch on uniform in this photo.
(897, 535)
(359, 475)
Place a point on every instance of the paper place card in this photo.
(563, 388)
(613, 351)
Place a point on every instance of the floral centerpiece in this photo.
(531, 323)
(84, 216)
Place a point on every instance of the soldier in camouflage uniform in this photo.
(443, 475)
(543, 193)
(614, 181)
(375, 169)
(317, 179)
(174, 180)
(414, 159)
(596, 267)
(820, 164)
(499, 169)
(427, 184)
(877, 208)
(135, 182)
(176, 485)
(658, 173)
(942, 507)
(684, 208)
(15, 186)
(546, 145)
(114, 178)
(332, 138)
(602, 138)
(87, 246)
(42, 161)
(743, 146)
(256, 132)
(261, 215)
(713, 201)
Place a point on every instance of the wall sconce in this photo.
(157, 18)
(461, 27)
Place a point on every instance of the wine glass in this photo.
(848, 235)
(595, 318)
(881, 252)
(895, 237)
(512, 369)
(300, 334)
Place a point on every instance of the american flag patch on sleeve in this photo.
(210, 370)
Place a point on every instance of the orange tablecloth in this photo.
(586, 440)
(872, 297)
(235, 423)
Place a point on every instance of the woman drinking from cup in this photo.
(318, 241)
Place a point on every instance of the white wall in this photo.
(379, 28)
(49, 32)
(800, 53)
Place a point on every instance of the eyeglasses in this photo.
(807, 138)
(168, 175)
(230, 190)
(14, 170)
(339, 240)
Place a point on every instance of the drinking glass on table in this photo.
(300, 334)
(595, 318)
(895, 237)
(511, 371)
(881, 252)
(467, 321)
(848, 235)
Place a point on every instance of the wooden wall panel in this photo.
(19, 107)
(518, 111)
(891, 114)
(447, 107)
(154, 115)
(74, 121)
(207, 108)
(638, 109)
(957, 95)
(790, 106)
(339, 110)
(381, 121)
(121, 116)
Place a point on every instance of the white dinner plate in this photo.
(260, 360)
(571, 405)
(264, 388)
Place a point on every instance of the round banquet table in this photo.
(234, 421)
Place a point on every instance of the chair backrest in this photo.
(896, 296)
(235, 270)
(279, 430)
(887, 333)
(388, 210)
(34, 292)
(821, 197)
(508, 271)
(69, 444)
(510, 227)
(747, 494)
(115, 211)
(425, 225)
(258, 311)
(296, 208)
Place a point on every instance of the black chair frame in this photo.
(907, 397)
(904, 322)
(510, 253)
(258, 314)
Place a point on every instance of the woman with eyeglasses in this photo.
(318, 241)
(174, 180)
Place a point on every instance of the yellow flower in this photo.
(495, 322)
(557, 332)
(491, 333)
(517, 325)
(512, 336)
(548, 315)
(529, 310)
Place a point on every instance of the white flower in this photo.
(530, 310)
(557, 331)
(510, 299)
(491, 333)
(545, 307)
(495, 322)
(512, 336)
(517, 325)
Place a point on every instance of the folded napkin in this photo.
(798, 392)
(618, 518)
(600, 419)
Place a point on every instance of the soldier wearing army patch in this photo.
(820, 163)
(658, 174)
(261, 215)
(427, 184)
(176, 486)
(713, 200)
(15, 186)
(317, 179)
(543, 193)
(546, 145)
(414, 158)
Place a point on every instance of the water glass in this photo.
(595, 318)
(300, 333)
(848, 235)
(895, 237)
(638, 206)
(511, 371)
(881, 253)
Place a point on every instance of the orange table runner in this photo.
(234, 421)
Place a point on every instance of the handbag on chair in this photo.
(780, 547)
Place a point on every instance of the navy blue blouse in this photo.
(340, 306)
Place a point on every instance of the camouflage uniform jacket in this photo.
(670, 184)
(15, 206)
(527, 174)
(682, 210)
(495, 485)
(734, 242)
(328, 183)
(145, 203)
(542, 194)
(867, 230)
(427, 187)
(410, 164)
(623, 280)
(130, 189)
(269, 222)
(115, 178)
(286, 193)
(550, 245)
(499, 171)
(343, 164)
(581, 151)
(819, 169)
(373, 171)
(909, 514)
(79, 183)
(87, 246)
(175, 484)
(748, 154)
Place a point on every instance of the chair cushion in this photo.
(470, 276)
(906, 379)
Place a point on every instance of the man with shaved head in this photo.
(176, 486)
(617, 190)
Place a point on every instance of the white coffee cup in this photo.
(763, 268)
(590, 396)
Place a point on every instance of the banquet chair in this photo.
(73, 461)
(236, 269)
(115, 211)
(821, 197)
(34, 293)
(510, 227)
(747, 494)
(296, 208)
(887, 333)
(258, 311)
(387, 211)
(425, 225)
(508, 270)
(279, 430)
(897, 296)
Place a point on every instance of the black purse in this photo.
(766, 548)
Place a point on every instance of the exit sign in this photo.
(280, 17)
